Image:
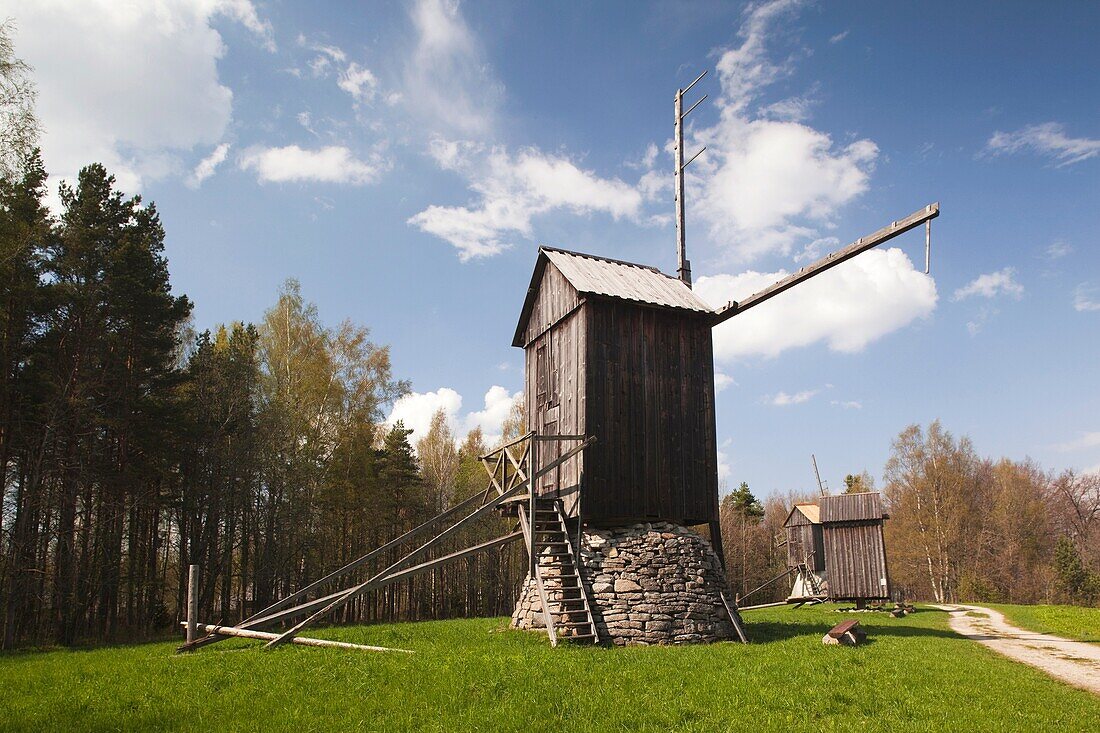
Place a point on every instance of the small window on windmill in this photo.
(542, 366)
(551, 376)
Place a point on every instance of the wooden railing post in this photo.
(192, 602)
(532, 464)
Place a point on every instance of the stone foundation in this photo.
(651, 583)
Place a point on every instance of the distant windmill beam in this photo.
(863, 244)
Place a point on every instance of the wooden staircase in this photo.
(810, 581)
(567, 611)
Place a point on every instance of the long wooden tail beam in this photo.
(863, 244)
(252, 634)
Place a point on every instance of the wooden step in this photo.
(567, 588)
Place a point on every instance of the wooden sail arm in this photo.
(863, 244)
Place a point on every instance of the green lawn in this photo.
(1071, 622)
(475, 675)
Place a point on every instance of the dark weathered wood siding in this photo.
(650, 403)
(804, 540)
(555, 299)
(855, 554)
(554, 390)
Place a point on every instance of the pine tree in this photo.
(25, 238)
(399, 474)
(1071, 577)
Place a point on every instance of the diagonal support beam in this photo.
(400, 575)
(269, 615)
(827, 262)
(371, 583)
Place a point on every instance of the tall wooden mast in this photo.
(683, 265)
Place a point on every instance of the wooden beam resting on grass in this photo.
(264, 636)
(763, 605)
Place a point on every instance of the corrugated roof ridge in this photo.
(611, 260)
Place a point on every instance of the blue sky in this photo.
(404, 160)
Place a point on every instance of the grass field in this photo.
(476, 675)
(1070, 622)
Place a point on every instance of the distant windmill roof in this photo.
(600, 276)
(810, 511)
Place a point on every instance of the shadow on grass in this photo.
(89, 646)
(772, 631)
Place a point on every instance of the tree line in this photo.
(131, 447)
(961, 527)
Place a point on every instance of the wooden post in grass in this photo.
(192, 602)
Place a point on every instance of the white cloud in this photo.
(131, 85)
(447, 81)
(514, 188)
(782, 399)
(839, 37)
(792, 109)
(208, 165)
(724, 461)
(1057, 250)
(722, 381)
(847, 307)
(976, 324)
(1085, 298)
(1087, 440)
(816, 249)
(498, 404)
(1049, 139)
(764, 182)
(848, 404)
(244, 12)
(332, 164)
(359, 82)
(416, 410)
(992, 284)
(646, 160)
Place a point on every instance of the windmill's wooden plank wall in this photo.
(555, 299)
(855, 554)
(554, 389)
(803, 539)
(650, 404)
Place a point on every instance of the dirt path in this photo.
(1074, 662)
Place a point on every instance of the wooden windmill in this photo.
(619, 384)
(836, 549)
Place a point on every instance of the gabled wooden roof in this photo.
(809, 511)
(607, 278)
(852, 507)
